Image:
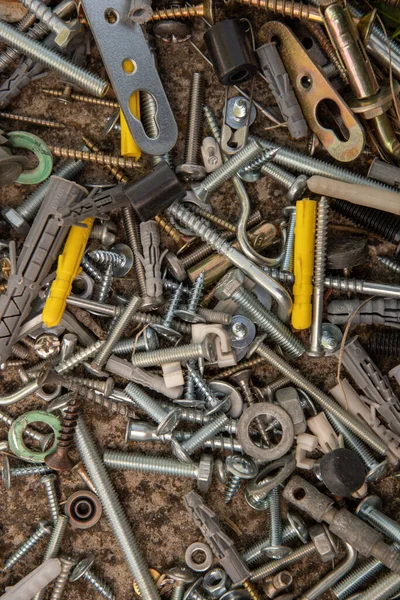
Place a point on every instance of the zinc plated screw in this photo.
(384, 588)
(38, 52)
(183, 450)
(83, 569)
(54, 545)
(29, 471)
(213, 403)
(105, 386)
(191, 169)
(33, 120)
(165, 327)
(369, 510)
(114, 512)
(105, 285)
(182, 577)
(239, 468)
(82, 98)
(205, 349)
(191, 415)
(323, 399)
(99, 158)
(391, 264)
(189, 390)
(166, 419)
(102, 234)
(62, 579)
(135, 461)
(190, 314)
(242, 380)
(277, 565)
(295, 186)
(321, 241)
(287, 263)
(91, 269)
(42, 529)
(64, 32)
(120, 257)
(276, 550)
(51, 493)
(131, 224)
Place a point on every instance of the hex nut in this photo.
(16, 221)
(205, 472)
(323, 542)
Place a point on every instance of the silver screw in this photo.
(42, 530)
(276, 550)
(83, 569)
(134, 461)
(105, 285)
(8, 56)
(148, 116)
(51, 493)
(116, 333)
(165, 328)
(38, 52)
(91, 269)
(323, 399)
(391, 264)
(287, 263)
(205, 349)
(146, 342)
(213, 403)
(102, 234)
(191, 168)
(114, 512)
(239, 468)
(121, 260)
(54, 545)
(321, 240)
(190, 314)
(189, 393)
(64, 32)
(62, 579)
(182, 578)
(105, 387)
(209, 430)
(29, 471)
(275, 566)
(192, 415)
(368, 510)
(166, 419)
(384, 588)
(242, 380)
(131, 224)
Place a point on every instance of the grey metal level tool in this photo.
(379, 311)
(130, 66)
(279, 84)
(222, 546)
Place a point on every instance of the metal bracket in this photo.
(312, 88)
(130, 66)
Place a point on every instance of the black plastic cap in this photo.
(342, 471)
(155, 192)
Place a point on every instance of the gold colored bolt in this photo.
(117, 173)
(81, 98)
(286, 8)
(33, 120)
(205, 9)
(94, 157)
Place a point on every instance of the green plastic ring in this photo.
(23, 139)
(16, 432)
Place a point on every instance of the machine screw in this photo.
(368, 510)
(197, 440)
(276, 550)
(191, 169)
(145, 343)
(114, 512)
(83, 569)
(287, 263)
(42, 530)
(82, 98)
(182, 578)
(321, 240)
(9, 55)
(120, 257)
(59, 460)
(275, 566)
(165, 328)
(167, 419)
(295, 186)
(131, 223)
(51, 493)
(242, 379)
(391, 264)
(62, 580)
(205, 349)
(324, 400)
(134, 461)
(385, 587)
(98, 158)
(38, 52)
(64, 32)
(239, 468)
(190, 314)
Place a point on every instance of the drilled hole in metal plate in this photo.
(299, 493)
(306, 82)
(329, 116)
(307, 42)
(129, 66)
(111, 16)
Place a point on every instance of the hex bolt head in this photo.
(299, 526)
(67, 33)
(228, 285)
(17, 222)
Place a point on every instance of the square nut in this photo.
(324, 543)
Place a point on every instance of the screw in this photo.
(191, 169)
(204, 9)
(189, 393)
(286, 8)
(105, 285)
(192, 593)
(116, 333)
(242, 379)
(59, 460)
(131, 224)
(38, 52)
(62, 579)
(28, 471)
(384, 588)
(82, 98)
(94, 157)
(182, 577)
(104, 387)
(120, 257)
(114, 512)
(54, 545)
(91, 269)
(239, 468)
(249, 364)
(9, 55)
(148, 115)
(323, 399)
(165, 328)
(275, 566)
(287, 263)
(117, 173)
(276, 550)
(327, 46)
(166, 419)
(190, 314)
(103, 235)
(83, 569)
(232, 286)
(64, 32)
(214, 219)
(205, 349)
(391, 264)
(42, 530)
(213, 403)
(191, 415)
(51, 493)
(146, 342)
(295, 186)
(189, 446)
(33, 120)
(368, 510)
(321, 240)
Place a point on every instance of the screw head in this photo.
(181, 575)
(172, 31)
(175, 266)
(189, 316)
(299, 525)
(229, 284)
(242, 467)
(81, 568)
(59, 460)
(110, 123)
(49, 477)
(16, 221)
(191, 171)
(125, 251)
(44, 527)
(255, 345)
(297, 188)
(205, 472)
(377, 472)
(170, 421)
(277, 552)
(165, 331)
(242, 378)
(47, 345)
(369, 502)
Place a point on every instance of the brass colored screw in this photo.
(82, 98)
(170, 230)
(249, 587)
(185, 12)
(286, 8)
(94, 157)
(214, 219)
(5, 267)
(33, 120)
(327, 46)
(117, 173)
(3, 287)
(249, 364)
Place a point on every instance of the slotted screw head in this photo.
(181, 575)
(81, 568)
(298, 525)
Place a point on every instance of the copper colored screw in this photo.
(251, 590)
(33, 120)
(214, 219)
(327, 46)
(117, 173)
(59, 460)
(82, 98)
(80, 470)
(94, 157)
(286, 8)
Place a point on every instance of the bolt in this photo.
(59, 460)
(82, 98)
(51, 493)
(114, 512)
(275, 566)
(242, 379)
(321, 241)
(239, 468)
(385, 587)
(190, 314)
(295, 186)
(131, 224)
(116, 333)
(83, 569)
(391, 264)
(189, 446)
(9, 55)
(42, 530)
(166, 419)
(191, 169)
(205, 349)
(287, 263)
(276, 550)
(323, 399)
(219, 243)
(94, 157)
(62, 579)
(64, 32)
(368, 510)
(182, 577)
(165, 328)
(120, 257)
(286, 8)
(40, 53)
(231, 286)
(146, 342)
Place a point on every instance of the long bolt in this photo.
(277, 565)
(51, 493)
(114, 512)
(54, 545)
(321, 241)
(367, 512)
(286, 8)
(383, 589)
(97, 158)
(287, 263)
(208, 431)
(82, 98)
(257, 550)
(42, 530)
(135, 461)
(9, 55)
(323, 399)
(131, 224)
(36, 51)
(146, 403)
(191, 167)
(62, 579)
(204, 349)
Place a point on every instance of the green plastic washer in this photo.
(23, 139)
(16, 432)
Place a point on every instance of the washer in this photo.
(208, 557)
(275, 413)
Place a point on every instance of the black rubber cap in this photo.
(342, 471)
(155, 192)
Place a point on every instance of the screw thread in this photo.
(105, 285)
(62, 579)
(175, 12)
(384, 344)
(256, 551)
(148, 113)
(232, 488)
(251, 590)
(249, 364)
(29, 543)
(275, 517)
(28, 471)
(189, 390)
(126, 346)
(44, 14)
(286, 8)
(168, 355)
(94, 157)
(384, 588)
(213, 218)
(209, 430)
(391, 264)
(99, 585)
(91, 269)
(169, 229)
(327, 46)
(178, 591)
(82, 98)
(194, 119)
(287, 263)
(52, 499)
(196, 293)
(9, 55)
(358, 576)
(146, 403)
(78, 357)
(148, 319)
(277, 565)
(33, 120)
(269, 323)
(117, 173)
(52, 60)
(203, 229)
(353, 442)
(278, 174)
(172, 307)
(131, 224)
(106, 257)
(215, 316)
(385, 224)
(114, 406)
(209, 396)
(94, 384)
(114, 512)
(192, 415)
(279, 275)
(381, 522)
(20, 351)
(68, 423)
(321, 240)
(56, 537)
(134, 461)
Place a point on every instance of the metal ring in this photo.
(16, 432)
(22, 139)
(83, 508)
(198, 547)
(275, 412)
(260, 486)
